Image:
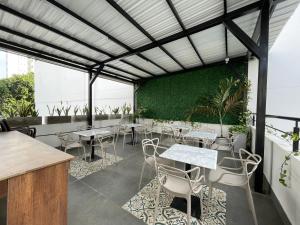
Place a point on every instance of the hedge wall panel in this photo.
(169, 98)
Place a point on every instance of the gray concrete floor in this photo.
(97, 199)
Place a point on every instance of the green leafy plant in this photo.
(60, 109)
(85, 110)
(283, 171)
(66, 110)
(116, 110)
(229, 98)
(76, 109)
(24, 108)
(128, 109)
(243, 125)
(9, 109)
(51, 111)
(123, 108)
(35, 113)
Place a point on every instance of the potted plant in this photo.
(21, 113)
(284, 171)
(78, 118)
(229, 99)
(100, 114)
(115, 113)
(60, 118)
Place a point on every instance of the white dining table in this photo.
(190, 155)
(198, 134)
(91, 134)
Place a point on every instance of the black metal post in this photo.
(253, 120)
(296, 142)
(262, 94)
(134, 102)
(90, 99)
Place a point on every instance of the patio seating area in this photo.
(189, 151)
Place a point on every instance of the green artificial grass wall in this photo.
(170, 97)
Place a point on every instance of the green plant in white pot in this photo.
(229, 99)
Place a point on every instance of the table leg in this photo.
(133, 135)
(94, 157)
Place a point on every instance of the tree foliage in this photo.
(17, 96)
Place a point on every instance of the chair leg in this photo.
(84, 153)
(124, 136)
(189, 209)
(156, 203)
(251, 203)
(115, 152)
(141, 176)
(210, 189)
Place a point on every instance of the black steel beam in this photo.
(137, 67)
(123, 70)
(33, 39)
(52, 29)
(262, 93)
(225, 29)
(99, 69)
(236, 59)
(176, 14)
(117, 74)
(195, 29)
(112, 38)
(43, 52)
(90, 99)
(242, 37)
(41, 56)
(111, 75)
(141, 29)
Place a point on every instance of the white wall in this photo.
(55, 83)
(283, 76)
(289, 198)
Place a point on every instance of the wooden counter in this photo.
(35, 177)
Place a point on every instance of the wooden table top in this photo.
(20, 154)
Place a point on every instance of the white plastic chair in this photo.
(168, 136)
(104, 143)
(124, 130)
(238, 177)
(151, 156)
(225, 144)
(178, 183)
(68, 142)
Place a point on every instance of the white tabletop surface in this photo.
(133, 125)
(92, 132)
(201, 135)
(192, 155)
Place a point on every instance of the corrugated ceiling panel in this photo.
(56, 18)
(211, 44)
(144, 64)
(247, 24)
(50, 15)
(15, 23)
(121, 73)
(282, 13)
(194, 12)
(154, 16)
(129, 68)
(183, 51)
(158, 56)
(37, 46)
(100, 13)
(235, 4)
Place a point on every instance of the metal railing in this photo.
(295, 132)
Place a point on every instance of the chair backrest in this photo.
(4, 125)
(164, 172)
(64, 138)
(149, 147)
(250, 161)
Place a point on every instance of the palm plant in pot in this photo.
(62, 114)
(115, 113)
(100, 114)
(228, 99)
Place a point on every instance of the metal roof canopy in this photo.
(135, 40)
(167, 35)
